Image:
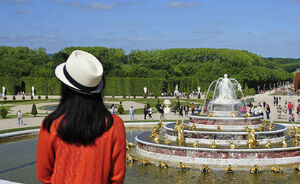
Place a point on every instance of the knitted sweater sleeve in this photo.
(118, 153)
(45, 156)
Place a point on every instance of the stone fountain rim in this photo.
(296, 148)
(225, 118)
(235, 133)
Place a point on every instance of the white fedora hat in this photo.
(82, 71)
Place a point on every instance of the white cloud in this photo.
(178, 4)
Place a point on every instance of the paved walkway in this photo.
(36, 121)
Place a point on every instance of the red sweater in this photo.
(103, 162)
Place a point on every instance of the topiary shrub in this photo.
(158, 104)
(31, 97)
(3, 112)
(33, 110)
(23, 97)
(39, 97)
(46, 97)
(5, 98)
(14, 97)
(120, 109)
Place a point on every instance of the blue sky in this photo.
(270, 28)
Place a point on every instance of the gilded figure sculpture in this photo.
(162, 165)
(130, 159)
(271, 125)
(193, 127)
(205, 169)
(210, 114)
(180, 135)
(213, 144)
(229, 169)
(283, 143)
(252, 143)
(219, 128)
(232, 145)
(182, 167)
(167, 141)
(233, 114)
(277, 169)
(268, 144)
(196, 144)
(255, 169)
(144, 162)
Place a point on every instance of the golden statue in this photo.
(210, 114)
(248, 114)
(162, 165)
(127, 147)
(130, 159)
(193, 127)
(232, 145)
(181, 166)
(271, 125)
(205, 169)
(233, 114)
(247, 129)
(219, 128)
(268, 145)
(283, 143)
(295, 141)
(296, 128)
(196, 144)
(180, 135)
(167, 141)
(261, 128)
(130, 144)
(176, 125)
(156, 128)
(229, 169)
(252, 143)
(202, 111)
(265, 123)
(213, 144)
(276, 169)
(156, 138)
(255, 169)
(144, 162)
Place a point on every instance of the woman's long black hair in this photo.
(85, 117)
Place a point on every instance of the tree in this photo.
(3, 112)
(33, 110)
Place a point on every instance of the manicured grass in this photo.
(26, 102)
(18, 129)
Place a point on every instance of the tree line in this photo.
(188, 68)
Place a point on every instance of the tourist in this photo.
(112, 108)
(298, 111)
(81, 141)
(150, 112)
(161, 110)
(284, 112)
(20, 120)
(131, 113)
(292, 118)
(180, 110)
(192, 108)
(290, 107)
(279, 111)
(186, 110)
(145, 112)
(268, 111)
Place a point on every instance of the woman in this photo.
(268, 111)
(81, 141)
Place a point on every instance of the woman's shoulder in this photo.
(117, 120)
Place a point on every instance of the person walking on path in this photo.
(298, 111)
(145, 112)
(112, 108)
(290, 107)
(180, 110)
(150, 112)
(131, 113)
(161, 110)
(268, 111)
(186, 110)
(81, 141)
(192, 108)
(20, 120)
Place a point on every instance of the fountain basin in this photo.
(226, 123)
(216, 157)
(223, 138)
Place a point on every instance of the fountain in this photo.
(221, 137)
